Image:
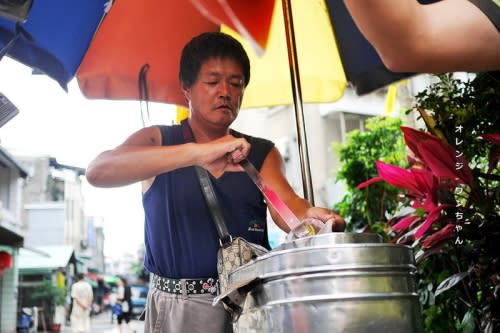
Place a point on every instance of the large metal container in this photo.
(337, 282)
(330, 239)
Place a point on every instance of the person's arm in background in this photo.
(120, 297)
(91, 296)
(445, 36)
(81, 303)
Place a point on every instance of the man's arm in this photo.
(142, 157)
(445, 36)
(138, 158)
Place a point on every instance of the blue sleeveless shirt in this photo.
(180, 237)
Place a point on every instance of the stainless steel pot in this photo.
(330, 239)
(331, 283)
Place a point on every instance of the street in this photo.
(102, 324)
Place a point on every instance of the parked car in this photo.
(139, 295)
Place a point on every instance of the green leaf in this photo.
(450, 282)
(469, 322)
(420, 212)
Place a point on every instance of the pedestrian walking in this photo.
(82, 295)
(124, 298)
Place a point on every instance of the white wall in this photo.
(46, 224)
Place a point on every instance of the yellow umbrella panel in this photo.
(320, 68)
(301, 64)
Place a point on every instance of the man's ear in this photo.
(186, 92)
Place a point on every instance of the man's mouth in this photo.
(224, 106)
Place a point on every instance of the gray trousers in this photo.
(171, 313)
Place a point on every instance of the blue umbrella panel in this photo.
(65, 27)
(362, 65)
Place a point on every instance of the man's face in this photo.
(217, 93)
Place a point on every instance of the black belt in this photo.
(185, 286)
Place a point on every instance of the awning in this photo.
(10, 237)
(43, 259)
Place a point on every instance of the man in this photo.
(82, 295)
(180, 237)
(445, 36)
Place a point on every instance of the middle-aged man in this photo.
(180, 237)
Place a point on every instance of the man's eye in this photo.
(237, 84)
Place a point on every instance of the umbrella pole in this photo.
(297, 99)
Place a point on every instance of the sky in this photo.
(74, 130)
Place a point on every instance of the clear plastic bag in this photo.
(310, 227)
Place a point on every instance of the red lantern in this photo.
(5, 260)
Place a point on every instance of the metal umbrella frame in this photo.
(297, 101)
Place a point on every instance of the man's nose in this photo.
(224, 88)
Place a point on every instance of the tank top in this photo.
(180, 237)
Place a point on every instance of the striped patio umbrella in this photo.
(130, 50)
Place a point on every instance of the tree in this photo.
(365, 210)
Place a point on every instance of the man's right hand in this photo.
(218, 156)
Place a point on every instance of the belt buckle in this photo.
(183, 291)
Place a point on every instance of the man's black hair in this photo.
(211, 45)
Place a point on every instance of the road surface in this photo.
(101, 323)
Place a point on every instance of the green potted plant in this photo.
(50, 296)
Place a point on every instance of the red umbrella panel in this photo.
(118, 57)
(152, 33)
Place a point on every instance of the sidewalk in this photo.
(101, 323)
(98, 324)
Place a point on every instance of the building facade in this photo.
(12, 176)
(59, 240)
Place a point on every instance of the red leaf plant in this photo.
(495, 150)
(438, 155)
(434, 169)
